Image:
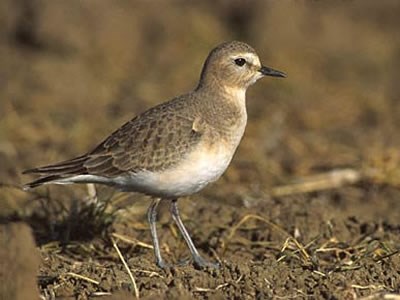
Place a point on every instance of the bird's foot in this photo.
(182, 263)
(201, 263)
(198, 262)
(163, 265)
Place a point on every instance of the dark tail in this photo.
(57, 171)
(40, 181)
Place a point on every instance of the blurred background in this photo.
(73, 71)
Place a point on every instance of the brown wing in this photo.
(155, 140)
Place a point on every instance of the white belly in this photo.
(197, 170)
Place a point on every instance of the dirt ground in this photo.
(308, 209)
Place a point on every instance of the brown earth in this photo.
(308, 208)
(19, 262)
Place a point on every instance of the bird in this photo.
(175, 148)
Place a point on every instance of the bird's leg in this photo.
(198, 260)
(152, 218)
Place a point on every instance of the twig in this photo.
(92, 193)
(329, 180)
(368, 287)
(83, 278)
(150, 273)
(218, 287)
(101, 294)
(202, 290)
(131, 241)
(380, 295)
(127, 268)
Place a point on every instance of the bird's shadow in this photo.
(54, 221)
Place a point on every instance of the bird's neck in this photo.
(236, 95)
(225, 107)
(231, 94)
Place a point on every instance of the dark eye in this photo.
(240, 61)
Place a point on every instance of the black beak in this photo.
(267, 71)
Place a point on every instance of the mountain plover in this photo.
(175, 148)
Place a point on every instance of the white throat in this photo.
(238, 95)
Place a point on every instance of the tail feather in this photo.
(68, 166)
(40, 181)
(57, 171)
